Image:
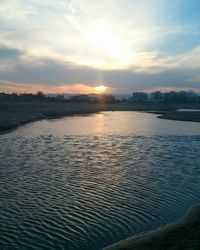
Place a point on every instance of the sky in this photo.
(63, 46)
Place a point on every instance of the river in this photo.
(84, 182)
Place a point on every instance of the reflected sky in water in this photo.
(112, 122)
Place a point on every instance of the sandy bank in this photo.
(14, 114)
(184, 234)
(192, 116)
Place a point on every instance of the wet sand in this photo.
(14, 114)
(184, 234)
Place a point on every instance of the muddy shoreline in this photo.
(14, 114)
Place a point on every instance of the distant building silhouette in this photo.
(156, 96)
(139, 97)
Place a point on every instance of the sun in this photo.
(100, 89)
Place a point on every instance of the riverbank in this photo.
(190, 116)
(14, 114)
(181, 235)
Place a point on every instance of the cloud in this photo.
(9, 52)
(77, 32)
(128, 45)
(152, 62)
(66, 77)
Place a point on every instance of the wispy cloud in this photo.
(72, 42)
(104, 34)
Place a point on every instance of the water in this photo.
(85, 182)
(188, 110)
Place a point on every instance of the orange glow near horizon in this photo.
(100, 89)
(59, 89)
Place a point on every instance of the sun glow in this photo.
(100, 89)
(108, 48)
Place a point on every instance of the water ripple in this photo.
(85, 192)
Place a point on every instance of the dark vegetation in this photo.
(41, 97)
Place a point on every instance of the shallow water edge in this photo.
(13, 115)
(183, 234)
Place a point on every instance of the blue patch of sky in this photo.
(176, 43)
(189, 12)
(5, 52)
(183, 32)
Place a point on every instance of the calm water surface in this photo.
(84, 182)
